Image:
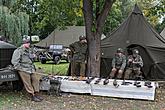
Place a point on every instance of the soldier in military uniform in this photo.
(26, 70)
(78, 61)
(118, 64)
(134, 65)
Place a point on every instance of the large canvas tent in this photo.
(136, 32)
(64, 37)
(163, 33)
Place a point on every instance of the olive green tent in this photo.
(163, 33)
(136, 32)
(64, 37)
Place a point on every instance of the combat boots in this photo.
(73, 77)
(35, 99)
(82, 78)
(38, 96)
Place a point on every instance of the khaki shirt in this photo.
(135, 63)
(119, 62)
(22, 61)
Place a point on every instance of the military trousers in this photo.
(132, 73)
(30, 81)
(116, 73)
(78, 67)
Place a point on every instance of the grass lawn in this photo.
(51, 68)
(9, 97)
(10, 100)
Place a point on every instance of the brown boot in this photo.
(82, 78)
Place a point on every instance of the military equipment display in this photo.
(51, 85)
(97, 81)
(137, 84)
(114, 88)
(106, 81)
(115, 83)
(126, 83)
(148, 84)
(88, 81)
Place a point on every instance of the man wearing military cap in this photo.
(26, 70)
(78, 61)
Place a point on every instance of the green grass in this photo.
(51, 68)
(8, 98)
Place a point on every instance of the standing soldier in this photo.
(26, 69)
(134, 65)
(78, 62)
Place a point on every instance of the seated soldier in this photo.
(26, 70)
(118, 64)
(134, 65)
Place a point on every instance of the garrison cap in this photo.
(25, 41)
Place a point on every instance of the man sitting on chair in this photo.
(134, 65)
(118, 64)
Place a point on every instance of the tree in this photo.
(12, 24)
(29, 7)
(58, 13)
(94, 23)
(114, 18)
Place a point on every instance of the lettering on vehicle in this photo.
(8, 76)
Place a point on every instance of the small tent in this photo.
(64, 37)
(136, 32)
(163, 33)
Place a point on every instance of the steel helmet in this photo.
(119, 50)
(135, 51)
(82, 38)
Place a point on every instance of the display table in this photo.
(129, 90)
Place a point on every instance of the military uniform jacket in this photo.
(22, 61)
(79, 51)
(136, 62)
(119, 62)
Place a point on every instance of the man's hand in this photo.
(130, 60)
(114, 69)
(120, 71)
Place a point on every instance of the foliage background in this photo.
(41, 17)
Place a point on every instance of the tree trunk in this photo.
(94, 29)
(94, 56)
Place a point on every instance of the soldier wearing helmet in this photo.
(78, 60)
(118, 64)
(134, 65)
